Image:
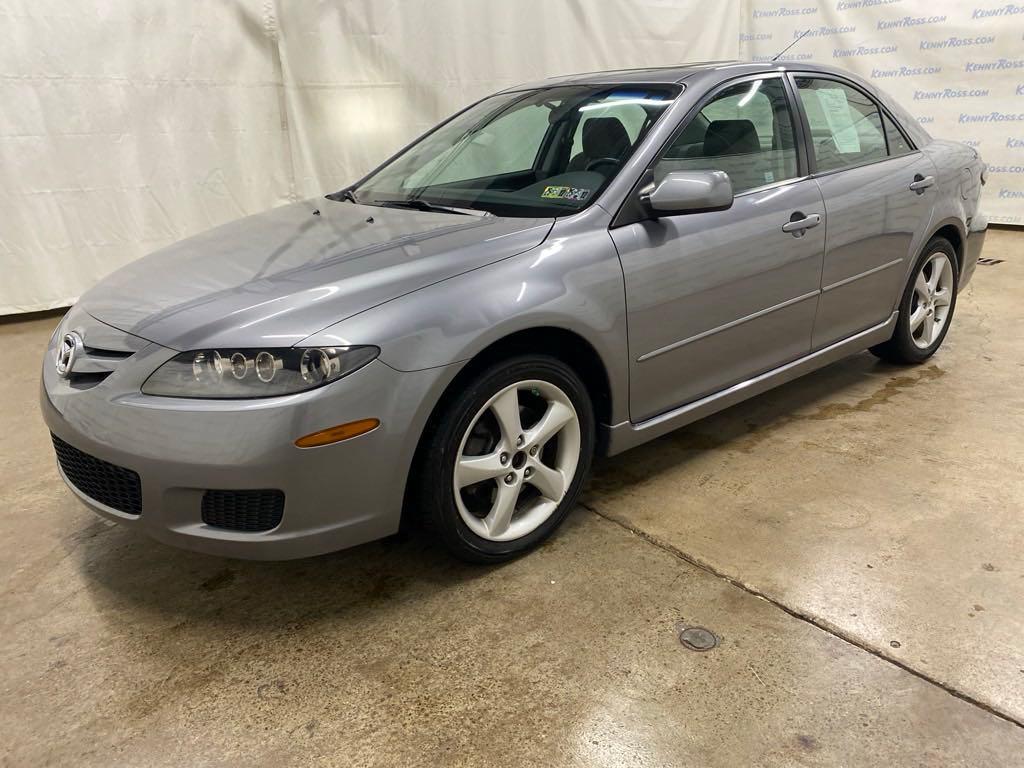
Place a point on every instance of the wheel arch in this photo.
(953, 231)
(561, 343)
(566, 345)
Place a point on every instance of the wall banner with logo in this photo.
(958, 67)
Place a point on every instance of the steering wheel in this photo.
(602, 161)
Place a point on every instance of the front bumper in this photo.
(336, 496)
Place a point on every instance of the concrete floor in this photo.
(854, 538)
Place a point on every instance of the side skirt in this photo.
(622, 437)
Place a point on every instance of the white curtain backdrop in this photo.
(128, 125)
(124, 127)
(365, 76)
(956, 65)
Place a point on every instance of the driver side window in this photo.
(746, 131)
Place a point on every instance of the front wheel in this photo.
(926, 308)
(506, 460)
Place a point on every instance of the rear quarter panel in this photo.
(958, 180)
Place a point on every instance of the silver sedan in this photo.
(567, 267)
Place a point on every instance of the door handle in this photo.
(921, 183)
(797, 226)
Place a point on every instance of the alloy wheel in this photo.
(517, 460)
(932, 298)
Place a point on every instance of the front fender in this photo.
(572, 281)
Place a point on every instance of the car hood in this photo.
(274, 278)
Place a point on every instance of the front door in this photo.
(878, 195)
(716, 298)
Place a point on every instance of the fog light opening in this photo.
(338, 433)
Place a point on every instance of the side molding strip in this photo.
(848, 280)
(622, 437)
(727, 326)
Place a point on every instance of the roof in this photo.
(676, 73)
(667, 74)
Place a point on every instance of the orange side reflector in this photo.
(338, 433)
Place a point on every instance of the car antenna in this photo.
(806, 32)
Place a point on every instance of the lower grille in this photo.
(248, 511)
(101, 481)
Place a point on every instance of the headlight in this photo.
(241, 373)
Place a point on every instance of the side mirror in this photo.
(689, 192)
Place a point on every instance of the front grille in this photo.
(95, 366)
(248, 511)
(108, 354)
(100, 480)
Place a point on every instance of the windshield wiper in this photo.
(422, 205)
(344, 194)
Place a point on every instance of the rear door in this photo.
(878, 196)
(717, 297)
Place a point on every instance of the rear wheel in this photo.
(926, 309)
(506, 461)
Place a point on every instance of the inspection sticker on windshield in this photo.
(565, 193)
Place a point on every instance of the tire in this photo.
(918, 333)
(475, 437)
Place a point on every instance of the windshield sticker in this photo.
(565, 193)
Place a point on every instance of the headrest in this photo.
(731, 137)
(604, 137)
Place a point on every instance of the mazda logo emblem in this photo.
(68, 350)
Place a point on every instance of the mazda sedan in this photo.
(567, 267)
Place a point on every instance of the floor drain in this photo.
(698, 639)
(990, 262)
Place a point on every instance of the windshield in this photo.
(547, 152)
